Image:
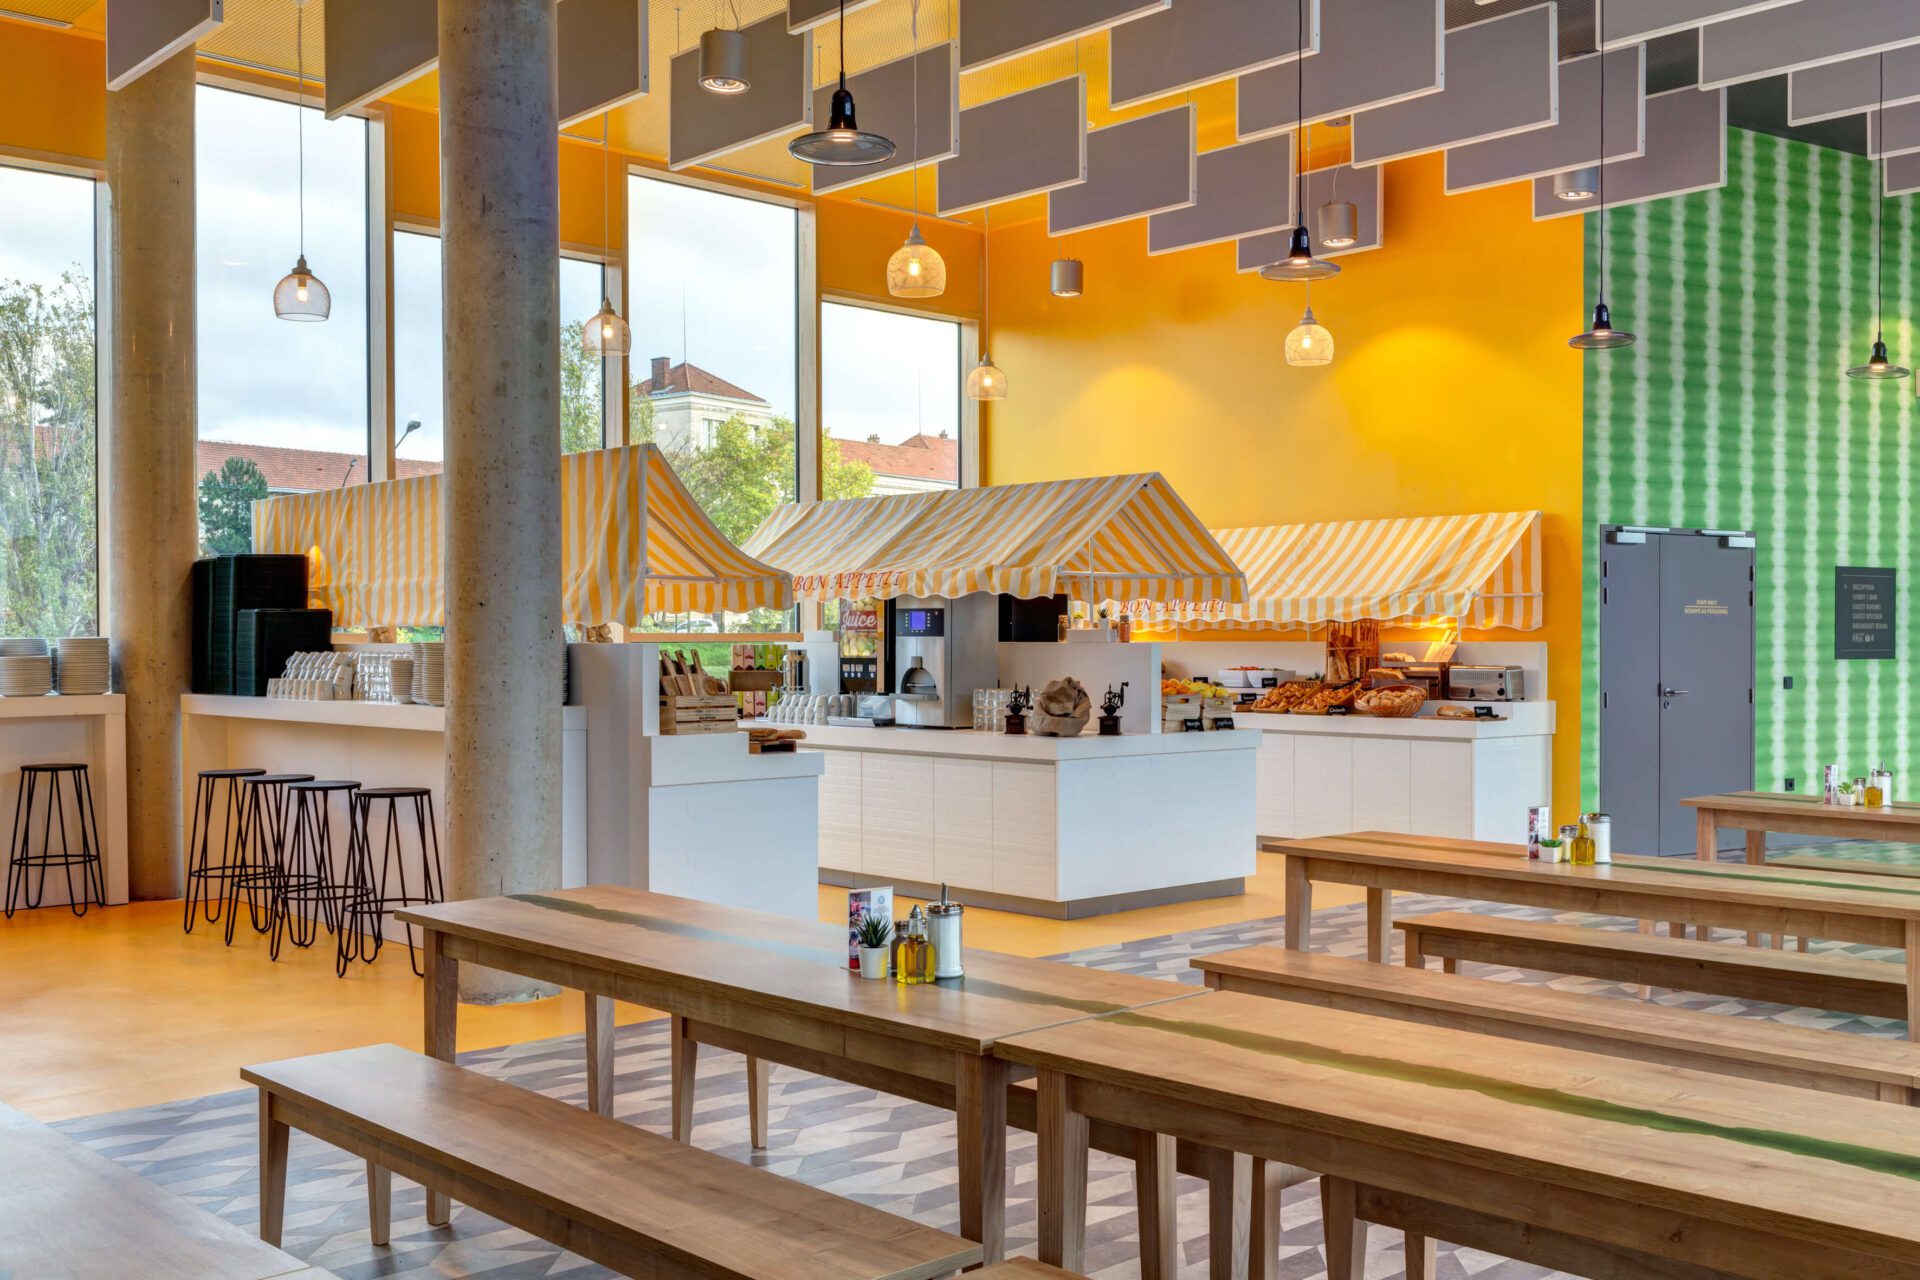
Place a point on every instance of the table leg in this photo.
(1159, 1205)
(1706, 835)
(1422, 1257)
(1229, 1213)
(980, 1122)
(1270, 1178)
(1379, 925)
(1913, 979)
(273, 1170)
(683, 1067)
(1346, 1232)
(1299, 904)
(1756, 857)
(757, 1072)
(379, 1204)
(600, 1054)
(1063, 1176)
(442, 998)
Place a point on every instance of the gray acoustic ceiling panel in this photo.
(1893, 132)
(1805, 34)
(1019, 145)
(1373, 53)
(1686, 151)
(702, 125)
(885, 95)
(995, 30)
(1502, 79)
(1134, 169)
(1243, 190)
(1362, 188)
(1632, 21)
(603, 56)
(1848, 88)
(1573, 142)
(1903, 174)
(1199, 41)
(375, 46)
(805, 15)
(142, 34)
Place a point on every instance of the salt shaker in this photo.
(944, 918)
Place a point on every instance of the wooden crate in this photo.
(682, 713)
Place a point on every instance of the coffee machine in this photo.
(943, 650)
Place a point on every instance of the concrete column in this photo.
(500, 232)
(147, 489)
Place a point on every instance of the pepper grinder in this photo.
(943, 918)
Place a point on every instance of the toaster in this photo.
(1486, 684)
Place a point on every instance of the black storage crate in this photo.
(234, 584)
(265, 638)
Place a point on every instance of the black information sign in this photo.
(1863, 615)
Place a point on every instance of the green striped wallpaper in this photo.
(1733, 411)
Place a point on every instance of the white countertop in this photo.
(366, 715)
(999, 746)
(55, 704)
(698, 758)
(1522, 720)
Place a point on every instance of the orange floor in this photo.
(121, 1009)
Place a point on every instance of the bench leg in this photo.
(1380, 925)
(683, 1058)
(273, 1171)
(1229, 1213)
(1449, 964)
(379, 1203)
(1421, 1257)
(757, 1102)
(1299, 905)
(1346, 1242)
(980, 1124)
(1757, 856)
(442, 1005)
(1270, 1178)
(1416, 955)
(1913, 979)
(1063, 1191)
(600, 1054)
(1159, 1206)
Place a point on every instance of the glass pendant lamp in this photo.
(1879, 367)
(1600, 335)
(606, 335)
(986, 381)
(843, 143)
(300, 295)
(916, 269)
(1300, 264)
(724, 61)
(1309, 344)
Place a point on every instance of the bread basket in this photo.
(1392, 702)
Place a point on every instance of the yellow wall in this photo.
(53, 93)
(1452, 389)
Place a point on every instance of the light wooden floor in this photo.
(121, 1009)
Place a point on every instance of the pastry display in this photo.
(1326, 697)
(1395, 702)
(1283, 697)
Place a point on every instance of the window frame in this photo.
(969, 355)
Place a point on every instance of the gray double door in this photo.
(1676, 679)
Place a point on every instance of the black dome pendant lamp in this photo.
(1879, 368)
(1601, 335)
(842, 144)
(1300, 264)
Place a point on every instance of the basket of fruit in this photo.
(1395, 702)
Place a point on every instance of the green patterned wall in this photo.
(1733, 411)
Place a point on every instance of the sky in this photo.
(47, 227)
(885, 374)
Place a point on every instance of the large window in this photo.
(419, 422)
(48, 554)
(889, 402)
(283, 406)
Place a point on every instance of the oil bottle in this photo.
(1582, 851)
(914, 961)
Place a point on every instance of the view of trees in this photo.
(48, 535)
(226, 506)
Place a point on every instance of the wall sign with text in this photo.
(1863, 612)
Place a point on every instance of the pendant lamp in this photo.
(1067, 278)
(1300, 264)
(1309, 344)
(1878, 367)
(1601, 335)
(724, 61)
(1337, 221)
(986, 382)
(606, 335)
(300, 295)
(1577, 184)
(916, 269)
(842, 143)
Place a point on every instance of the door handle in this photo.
(1667, 691)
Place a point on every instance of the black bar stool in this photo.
(262, 851)
(385, 886)
(42, 782)
(307, 877)
(203, 873)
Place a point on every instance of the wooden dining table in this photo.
(1878, 911)
(1794, 813)
(1583, 1163)
(778, 990)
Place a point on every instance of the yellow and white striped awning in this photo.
(1483, 570)
(1107, 537)
(633, 542)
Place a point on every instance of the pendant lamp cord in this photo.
(299, 113)
(986, 279)
(1300, 108)
(913, 26)
(842, 24)
(1880, 199)
(1600, 56)
(606, 187)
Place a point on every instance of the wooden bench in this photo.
(1830, 1061)
(1023, 1269)
(630, 1200)
(66, 1211)
(1748, 973)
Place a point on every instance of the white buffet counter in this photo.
(81, 729)
(1063, 827)
(1466, 779)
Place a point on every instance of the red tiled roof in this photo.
(702, 383)
(301, 470)
(918, 457)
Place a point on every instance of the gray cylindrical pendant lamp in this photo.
(724, 65)
(1069, 278)
(1338, 223)
(1577, 184)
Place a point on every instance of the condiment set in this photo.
(926, 948)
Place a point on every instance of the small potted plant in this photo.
(873, 933)
(1848, 795)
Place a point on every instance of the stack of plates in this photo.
(83, 665)
(23, 647)
(25, 675)
(430, 674)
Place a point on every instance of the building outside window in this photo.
(890, 406)
(49, 584)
